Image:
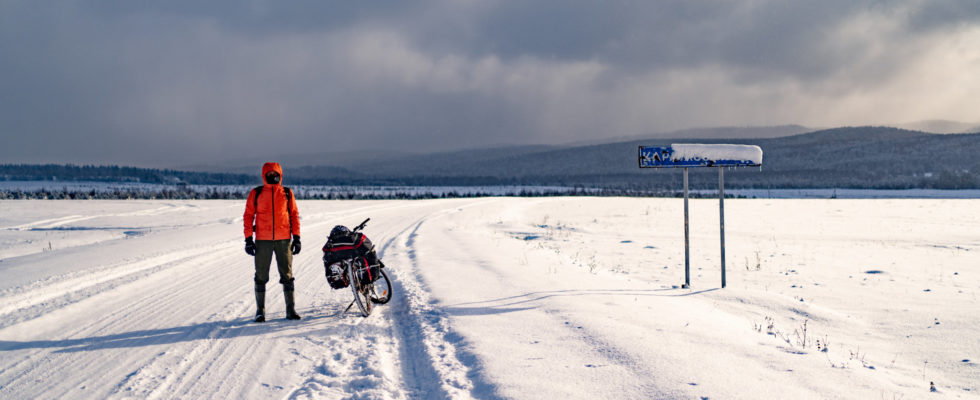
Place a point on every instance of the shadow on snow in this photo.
(505, 304)
(201, 331)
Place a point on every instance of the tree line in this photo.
(301, 193)
(115, 173)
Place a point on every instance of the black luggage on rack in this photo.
(354, 246)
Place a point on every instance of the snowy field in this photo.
(849, 193)
(543, 298)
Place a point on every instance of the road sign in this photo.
(700, 155)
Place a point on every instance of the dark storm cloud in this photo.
(165, 83)
(943, 14)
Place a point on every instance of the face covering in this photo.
(272, 178)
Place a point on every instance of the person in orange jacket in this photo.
(271, 215)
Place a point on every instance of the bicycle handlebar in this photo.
(361, 226)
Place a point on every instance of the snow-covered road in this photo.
(498, 298)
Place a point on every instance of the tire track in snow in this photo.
(184, 375)
(421, 377)
(60, 221)
(173, 300)
(49, 223)
(117, 307)
(137, 336)
(59, 291)
(356, 364)
(34, 300)
(96, 335)
(176, 370)
(391, 354)
(431, 362)
(586, 354)
(436, 366)
(361, 355)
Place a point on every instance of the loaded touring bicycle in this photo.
(350, 261)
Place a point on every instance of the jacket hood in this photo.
(271, 166)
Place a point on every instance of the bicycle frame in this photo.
(349, 264)
(363, 292)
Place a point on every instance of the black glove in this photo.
(250, 246)
(296, 246)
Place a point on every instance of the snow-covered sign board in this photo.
(700, 155)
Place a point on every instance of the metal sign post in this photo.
(687, 239)
(721, 218)
(701, 155)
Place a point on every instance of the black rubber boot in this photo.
(290, 305)
(260, 303)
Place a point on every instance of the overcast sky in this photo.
(177, 82)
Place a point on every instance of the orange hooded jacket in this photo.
(272, 219)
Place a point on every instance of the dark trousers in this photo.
(264, 249)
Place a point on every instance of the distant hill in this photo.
(941, 126)
(725, 132)
(396, 159)
(854, 157)
(850, 157)
(112, 173)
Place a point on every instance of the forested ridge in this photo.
(853, 157)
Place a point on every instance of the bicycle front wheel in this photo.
(359, 296)
(381, 290)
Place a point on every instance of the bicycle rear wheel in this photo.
(381, 289)
(359, 296)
